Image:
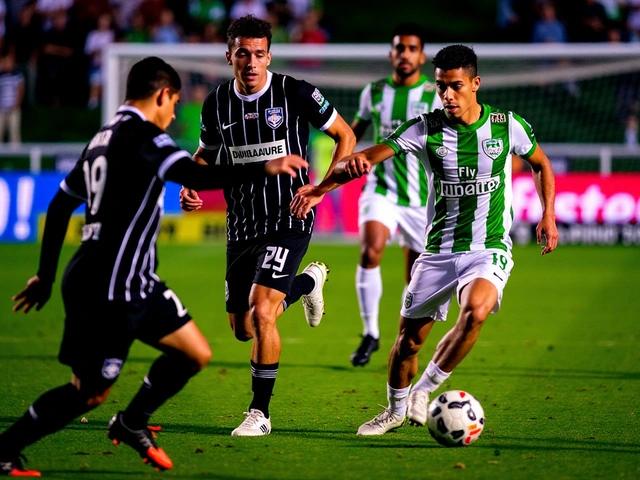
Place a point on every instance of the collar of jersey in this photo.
(130, 109)
(469, 128)
(421, 80)
(256, 95)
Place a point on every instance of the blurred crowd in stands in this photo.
(51, 50)
(560, 21)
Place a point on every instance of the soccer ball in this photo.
(455, 418)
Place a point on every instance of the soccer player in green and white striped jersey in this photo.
(466, 149)
(393, 202)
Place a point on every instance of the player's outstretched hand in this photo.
(353, 166)
(35, 294)
(305, 199)
(288, 164)
(547, 228)
(189, 200)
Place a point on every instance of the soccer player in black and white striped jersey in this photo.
(256, 117)
(110, 289)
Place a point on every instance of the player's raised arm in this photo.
(546, 187)
(345, 170)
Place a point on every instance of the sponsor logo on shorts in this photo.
(408, 300)
(276, 276)
(499, 277)
(258, 152)
(111, 368)
(469, 189)
(274, 117)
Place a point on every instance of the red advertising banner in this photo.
(582, 198)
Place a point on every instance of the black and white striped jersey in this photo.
(120, 176)
(267, 124)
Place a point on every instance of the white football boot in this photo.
(381, 424)
(313, 302)
(255, 425)
(417, 406)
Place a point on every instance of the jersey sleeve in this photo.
(409, 137)
(523, 140)
(320, 113)
(73, 184)
(210, 138)
(364, 108)
(161, 152)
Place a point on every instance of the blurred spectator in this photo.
(592, 23)
(152, 10)
(11, 96)
(167, 30)
(188, 116)
(24, 38)
(212, 33)
(633, 22)
(513, 20)
(97, 40)
(248, 7)
(204, 12)
(3, 24)
(548, 29)
(279, 34)
(47, 9)
(309, 30)
(57, 74)
(299, 8)
(631, 132)
(138, 32)
(124, 11)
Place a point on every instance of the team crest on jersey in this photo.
(442, 151)
(418, 108)
(498, 118)
(408, 300)
(274, 117)
(429, 87)
(318, 97)
(493, 147)
(111, 368)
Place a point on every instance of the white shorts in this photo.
(435, 277)
(407, 224)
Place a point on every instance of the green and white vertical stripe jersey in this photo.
(388, 106)
(468, 169)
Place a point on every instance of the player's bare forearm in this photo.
(345, 143)
(544, 181)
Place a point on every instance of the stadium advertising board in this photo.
(589, 209)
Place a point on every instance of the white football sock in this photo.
(369, 290)
(398, 399)
(431, 379)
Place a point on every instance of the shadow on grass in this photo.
(515, 372)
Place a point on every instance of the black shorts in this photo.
(271, 261)
(98, 333)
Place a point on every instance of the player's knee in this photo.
(473, 315)
(201, 357)
(262, 317)
(370, 256)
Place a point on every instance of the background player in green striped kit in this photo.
(466, 149)
(395, 196)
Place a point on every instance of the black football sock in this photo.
(51, 412)
(263, 379)
(167, 376)
(302, 285)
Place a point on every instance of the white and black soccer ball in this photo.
(455, 418)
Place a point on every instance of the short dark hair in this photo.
(248, 27)
(408, 28)
(457, 56)
(150, 75)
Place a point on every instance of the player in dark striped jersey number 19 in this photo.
(258, 116)
(110, 290)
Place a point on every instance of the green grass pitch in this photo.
(557, 371)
